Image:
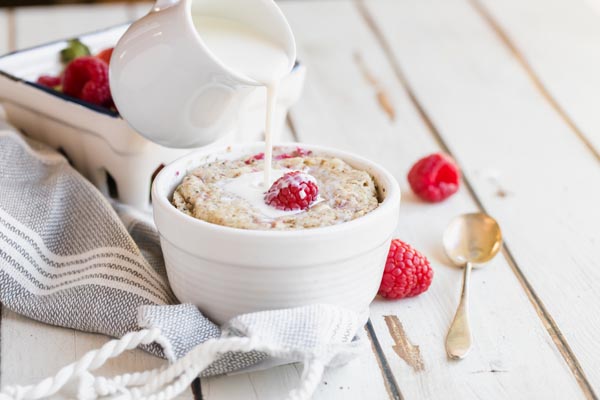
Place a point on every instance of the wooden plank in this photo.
(556, 41)
(595, 4)
(353, 100)
(32, 351)
(37, 25)
(360, 379)
(4, 32)
(524, 162)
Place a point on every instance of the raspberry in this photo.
(407, 272)
(87, 79)
(293, 191)
(105, 55)
(434, 178)
(256, 157)
(298, 152)
(49, 81)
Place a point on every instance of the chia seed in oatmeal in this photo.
(215, 192)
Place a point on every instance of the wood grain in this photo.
(32, 351)
(339, 107)
(389, 379)
(407, 351)
(444, 79)
(358, 380)
(556, 43)
(504, 133)
(594, 4)
(4, 31)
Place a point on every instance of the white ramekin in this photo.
(228, 271)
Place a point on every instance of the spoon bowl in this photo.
(469, 239)
(474, 238)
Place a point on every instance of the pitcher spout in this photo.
(180, 80)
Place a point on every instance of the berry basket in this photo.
(96, 140)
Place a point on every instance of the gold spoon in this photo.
(469, 239)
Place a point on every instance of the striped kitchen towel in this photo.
(68, 258)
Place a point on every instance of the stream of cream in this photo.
(250, 53)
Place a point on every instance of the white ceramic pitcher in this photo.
(171, 87)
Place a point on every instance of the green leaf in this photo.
(74, 50)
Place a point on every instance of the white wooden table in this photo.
(510, 88)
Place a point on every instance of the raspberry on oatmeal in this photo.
(293, 191)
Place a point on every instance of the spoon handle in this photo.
(459, 339)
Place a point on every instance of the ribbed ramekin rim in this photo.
(162, 203)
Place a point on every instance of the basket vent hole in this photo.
(111, 184)
(156, 171)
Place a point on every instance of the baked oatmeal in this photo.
(231, 192)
